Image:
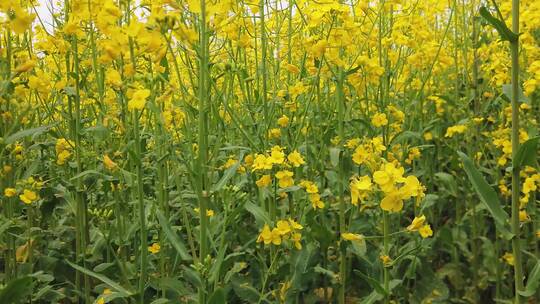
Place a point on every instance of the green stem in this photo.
(202, 159)
(142, 213)
(514, 49)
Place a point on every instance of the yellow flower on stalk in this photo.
(425, 231)
(21, 20)
(457, 129)
(283, 121)
(276, 155)
(264, 181)
(386, 260)
(508, 258)
(10, 192)
(392, 202)
(295, 158)
(285, 178)
(25, 67)
(523, 216)
(352, 236)
(138, 100)
(379, 119)
(155, 248)
(417, 223)
(360, 186)
(28, 196)
(109, 163)
(269, 236)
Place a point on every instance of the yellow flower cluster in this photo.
(285, 230)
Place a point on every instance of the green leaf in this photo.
(448, 181)
(28, 132)
(172, 237)
(102, 278)
(89, 172)
(533, 282)
(334, 156)
(259, 214)
(505, 33)
(488, 196)
(372, 282)
(218, 297)
(16, 290)
(229, 173)
(526, 154)
(507, 91)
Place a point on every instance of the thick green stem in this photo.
(514, 49)
(202, 159)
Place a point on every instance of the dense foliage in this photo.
(186, 151)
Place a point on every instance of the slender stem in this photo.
(142, 214)
(342, 177)
(514, 49)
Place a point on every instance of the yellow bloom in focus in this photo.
(10, 192)
(352, 236)
(508, 258)
(28, 196)
(285, 178)
(21, 20)
(155, 248)
(269, 236)
(417, 223)
(108, 163)
(295, 158)
(359, 188)
(392, 202)
(426, 231)
(138, 100)
(378, 120)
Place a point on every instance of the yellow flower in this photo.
(523, 216)
(138, 100)
(154, 248)
(264, 181)
(283, 121)
(417, 223)
(295, 237)
(508, 258)
(269, 236)
(295, 158)
(25, 67)
(379, 120)
(386, 260)
(425, 231)
(283, 227)
(457, 129)
(276, 155)
(10, 192)
(352, 236)
(359, 188)
(392, 202)
(209, 212)
(285, 178)
(108, 163)
(28, 196)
